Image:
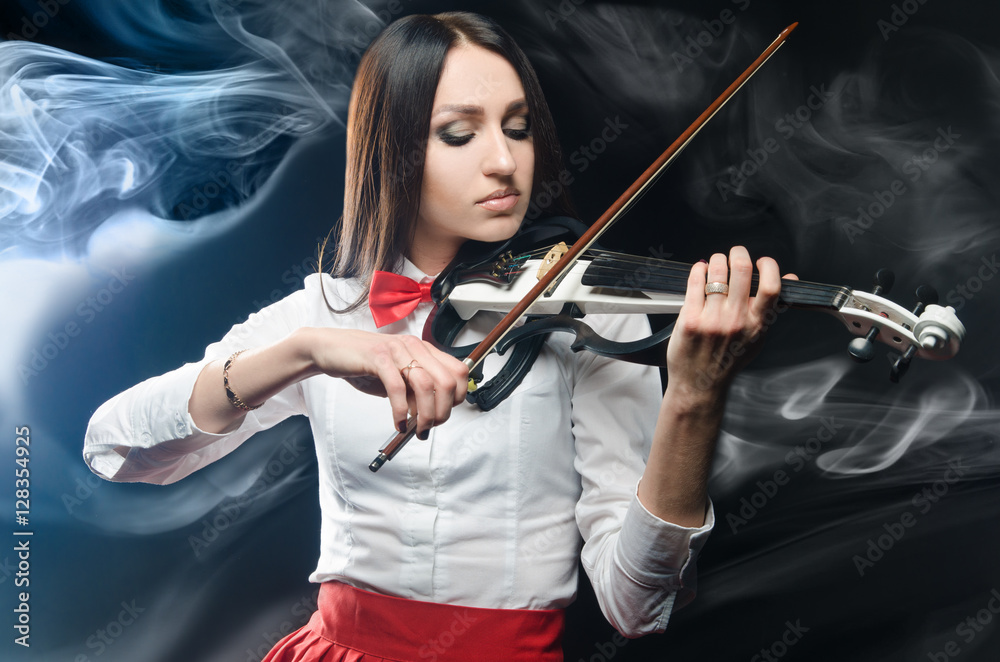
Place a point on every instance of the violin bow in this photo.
(613, 213)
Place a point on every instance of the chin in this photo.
(501, 228)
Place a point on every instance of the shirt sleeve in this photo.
(146, 433)
(641, 566)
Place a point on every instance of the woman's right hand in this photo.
(376, 364)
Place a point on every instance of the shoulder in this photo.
(324, 300)
(315, 303)
(322, 288)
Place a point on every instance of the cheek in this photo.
(526, 166)
(434, 179)
(526, 157)
(443, 172)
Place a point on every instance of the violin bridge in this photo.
(551, 258)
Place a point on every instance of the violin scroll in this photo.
(939, 332)
(929, 331)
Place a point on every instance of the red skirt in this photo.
(351, 625)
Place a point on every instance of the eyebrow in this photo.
(464, 109)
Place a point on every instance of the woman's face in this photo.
(480, 157)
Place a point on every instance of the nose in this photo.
(498, 159)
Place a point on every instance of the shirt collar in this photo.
(411, 270)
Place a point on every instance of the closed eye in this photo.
(518, 127)
(454, 139)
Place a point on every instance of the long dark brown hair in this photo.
(388, 124)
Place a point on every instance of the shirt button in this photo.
(145, 439)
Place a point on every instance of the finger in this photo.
(740, 277)
(405, 366)
(718, 272)
(452, 374)
(442, 382)
(460, 372)
(387, 370)
(423, 392)
(694, 295)
(768, 286)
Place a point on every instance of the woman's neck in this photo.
(430, 256)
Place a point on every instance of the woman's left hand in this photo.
(717, 334)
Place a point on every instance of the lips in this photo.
(500, 200)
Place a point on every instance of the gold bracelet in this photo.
(234, 399)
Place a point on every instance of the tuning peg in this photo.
(861, 349)
(884, 278)
(901, 364)
(926, 295)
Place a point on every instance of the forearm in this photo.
(256, 375)
(701, 363)
(674, 485)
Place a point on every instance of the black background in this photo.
(889, 92)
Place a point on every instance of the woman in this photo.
(464, 547)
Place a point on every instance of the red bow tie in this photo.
(392, 297)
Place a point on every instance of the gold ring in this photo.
(716, 288)
(409, 366)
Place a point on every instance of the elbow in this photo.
(105, 462)
(636, 610)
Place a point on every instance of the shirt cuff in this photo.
(154, 415)
(655, 552)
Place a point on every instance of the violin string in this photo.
(679, 267)
(791, 292)
(679, 273)
(681, 270)
(674, 275)
(682, 274)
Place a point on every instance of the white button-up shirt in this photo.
(488, 512)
